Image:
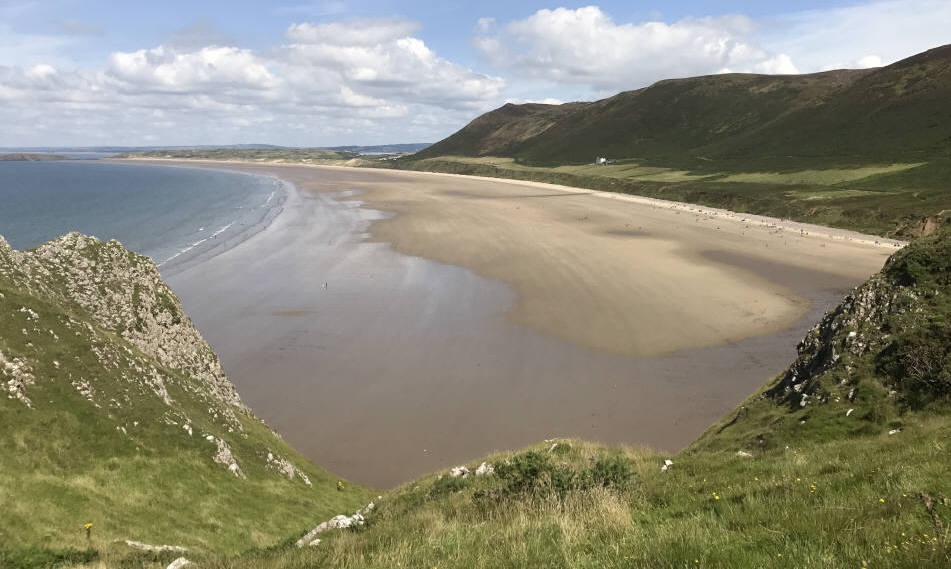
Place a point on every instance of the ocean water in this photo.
(173, 215)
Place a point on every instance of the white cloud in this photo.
(195, 71)
(545, 101)
(868, 61)
(327, 80)
(586, 46)
(862, 35)
(778, 65)
(376, 80)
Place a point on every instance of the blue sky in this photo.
(333, 72)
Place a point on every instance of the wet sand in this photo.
(479, 315)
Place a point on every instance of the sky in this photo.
(327, 73)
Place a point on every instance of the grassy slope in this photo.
(787, 146)
(823, 487)
(114, 458)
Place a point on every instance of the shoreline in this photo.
(810, 229)
(173, 265)
(386, 345)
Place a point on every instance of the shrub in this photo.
(535, 473)
(918, 364)
(612, 472)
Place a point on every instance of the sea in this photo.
(175, 215)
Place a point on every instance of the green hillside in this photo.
(861, 149)
(117, 413)
(897, 113)
(840, 461)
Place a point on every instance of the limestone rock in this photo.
(16, 374)
(178, 563)
(154, 548)
(340, 521)
(124, 293)
(224, 457)
(285, 467)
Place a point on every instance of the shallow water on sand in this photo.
(174, 215)
(381, 367)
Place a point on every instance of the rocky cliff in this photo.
(118, 413)
(883, 352)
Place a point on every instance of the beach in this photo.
(392, 323)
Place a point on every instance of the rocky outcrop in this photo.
(178, 563)
(124, 293)
(16, 374)
(337, 522)
(852, 329)
(893, 328)
(115, 307)
(154, 548)
(224, 457)
(285, 467)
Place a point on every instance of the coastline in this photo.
(812, 230)
(347, 325)
(185, 259)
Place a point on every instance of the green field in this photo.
(881, 199)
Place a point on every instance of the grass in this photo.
(806, 506)
(121, 459)
(826, 177)
(856, 477)
(880, 199)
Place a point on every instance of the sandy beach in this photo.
(392, 323)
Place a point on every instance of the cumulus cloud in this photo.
(586, 46)
(380, 58)
(778, 65)
(861, 35)
(202, 70)
(372, 77)
(545, 101)
(376, 80)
